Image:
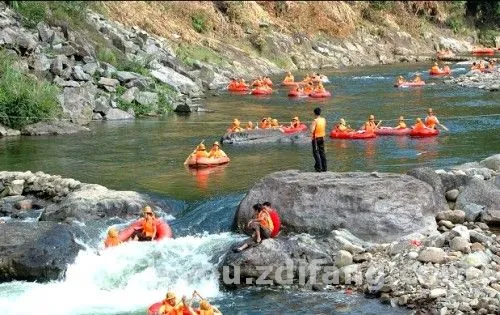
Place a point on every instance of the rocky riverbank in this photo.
(475, 79)
(40, 250)
(420, 240)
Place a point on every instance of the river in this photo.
(146, 155)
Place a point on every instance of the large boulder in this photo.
(78, 103)
(118, 114)
(282, 258)
(492, 162)
(58, 127)
(176, 80)
(377, 208)
(38, 251)
(6, 131)
(92, 202)
(481, 193)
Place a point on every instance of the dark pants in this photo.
(140, 236)
(318, 146)
(264, 234)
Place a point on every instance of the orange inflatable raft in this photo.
(163, 230)
(408, 84)
(262, 91)
(335, 134)
(389, 131)
(206, 162)
(237, 88)
(293, 93)
(427, 132)
(444, 71)
(320, 94)
(301, 127)
(483, 51)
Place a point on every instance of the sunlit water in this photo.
(147, 155)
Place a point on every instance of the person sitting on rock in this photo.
(235, 126)
(342, 126)
(112, 238)
(262, 227)
(401, 123)
(148, 230)
(216, 152)
(171, 307)
(289, 78)
(295, 123)
(400, 80)
(419, 125)
(249, 126)
(417, 78)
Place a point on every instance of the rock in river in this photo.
(375, 208)
(38, 251)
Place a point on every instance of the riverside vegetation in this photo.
(119, 60)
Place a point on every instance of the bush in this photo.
(24, 100)
(32, 12)
(487, 37)
(107, 55)
(456, 24)
(199, 23)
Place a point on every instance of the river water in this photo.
(146, 155)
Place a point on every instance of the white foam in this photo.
(126, 278)
(369, 77)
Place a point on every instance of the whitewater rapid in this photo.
(125, 279)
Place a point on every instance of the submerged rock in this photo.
(258, 136)
(376, 209)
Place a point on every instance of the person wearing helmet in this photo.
(249, 125)
(112, 239)
(419, 125)
(216, 152)
(400, 80)
(235, 126)
(205, 308)
(201, 151)
(401, 123)
(370, 125)
(435, 68)
(274, 123)
(289, 78)
(417, 78)
(342, 126)
(171, 307)
(295, 122)
(147, 231)
(431, 120)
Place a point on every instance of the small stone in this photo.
(432, 254)
(435, 293)
(473, 273)
(460, 244)
(476, 259)
(462, 231)
(359, 258)
(446, 224)
(479, 237)
(343, 258)
(455, 216)
(477, 247)
(108, 82)
(495, 286)
(413, 255)
(451, 195)
(482, 226)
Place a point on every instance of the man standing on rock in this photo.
(318, 130)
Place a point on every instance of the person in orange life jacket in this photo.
(148, 230)
(342, 126)
(216, 152)
(419, 125)
(206, 308)
(370, 125)
(318, 131)
(431, 120)
(171, 307)
(112, 239)
(401, 123)
(262, 227)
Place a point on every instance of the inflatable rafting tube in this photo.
(237, 88)
(153, 309)
(261, 92)
(289, 83)
(427, 132)
(389, 131)
(163, 230)
(207, 162)
(483, 51)
(301, 127)
(276, 223)
(297, 94)
(444, 71)
(408, 84)
(320, 94)
(351, 135)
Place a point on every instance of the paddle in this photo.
(186, 161)
(444, 127)
(380, 121)
(201, 297)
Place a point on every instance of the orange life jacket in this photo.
(205, 312)
(112, 241)
(431, 121)
(200, 154)
(265, 220)
(148, 227)
(419, 126)
(320, 129)
(370, 127)
(216, 153)
(435, 69)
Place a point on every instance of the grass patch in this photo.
(191, 53)
(24, 100)
(53, 12)
(199, 22)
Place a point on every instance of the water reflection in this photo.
(203, 174)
